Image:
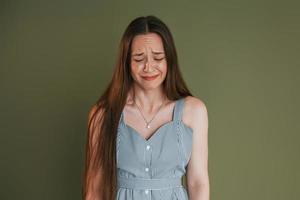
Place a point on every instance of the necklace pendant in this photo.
(148, 126)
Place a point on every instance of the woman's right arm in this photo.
(93, 177)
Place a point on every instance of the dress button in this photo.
(146, 169)
(146, 191)
(148, 147)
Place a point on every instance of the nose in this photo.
(149, 65)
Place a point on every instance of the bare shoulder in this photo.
(195, 111)
(193, 103)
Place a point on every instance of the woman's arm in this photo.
(197, 170)
(93, 177)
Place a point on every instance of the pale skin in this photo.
(148, 59)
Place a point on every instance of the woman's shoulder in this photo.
(193, 102)
(194, 109)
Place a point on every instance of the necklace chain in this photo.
(148, 123)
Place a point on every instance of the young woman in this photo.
(147, 130)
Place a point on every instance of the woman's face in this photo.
(148, 62)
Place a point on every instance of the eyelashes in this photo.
(160, 59)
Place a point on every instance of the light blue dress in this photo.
(152, 169)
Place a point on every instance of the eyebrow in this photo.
(154, 52)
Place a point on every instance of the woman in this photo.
(147, 130)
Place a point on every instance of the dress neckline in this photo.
(158, 130)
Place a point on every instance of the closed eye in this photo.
(138, 60)
(157, 59)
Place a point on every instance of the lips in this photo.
(149, 78)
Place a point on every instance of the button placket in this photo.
(147, 168)
(148, 157)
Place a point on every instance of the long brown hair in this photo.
(100, 158)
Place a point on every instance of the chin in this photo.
(151, 86)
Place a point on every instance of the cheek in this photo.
(134, 69)
(136, 66)
(163, 68)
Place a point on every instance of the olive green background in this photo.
(240, 57)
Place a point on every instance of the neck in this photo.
(148, 100)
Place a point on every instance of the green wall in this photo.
(240, 57)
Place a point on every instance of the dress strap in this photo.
(178, 109)
(121, 120)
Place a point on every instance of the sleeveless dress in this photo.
(152, 169)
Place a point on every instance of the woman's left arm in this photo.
(197, 169)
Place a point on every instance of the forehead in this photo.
(150, 40)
